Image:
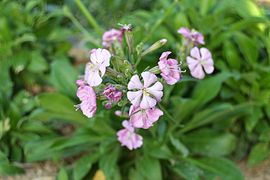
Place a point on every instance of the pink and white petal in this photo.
(195, 53)
(156, 90)
(134, 97)
(147, 102)
(137, 120)
(88, 109)
(192, 63)
(102, 70)
(135, 83)
(164, 55)
(148, 79)
(197, 72)
(208, 68)
(184, 31)
(105, 57)
(205, 54)
(93, 78)
(154, 114)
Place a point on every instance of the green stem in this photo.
(89, 17)
(68, 14)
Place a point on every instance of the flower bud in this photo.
(155, 46)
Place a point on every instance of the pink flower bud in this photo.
(112, 94)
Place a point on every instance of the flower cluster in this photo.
(112, 77)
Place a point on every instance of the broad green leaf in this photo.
(208, 89)
(186, 170)
(222, 112)
(63, 77)
(83, 165)
(253, 118)
(60, 106)
(62, 174)
(7, 169)
(179, 146)
(108, 161)
(209, 143)
(149, 167)
(258, 153)
(221, 167)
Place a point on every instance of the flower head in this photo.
(169, 68)
(144, 118)
(112, 94)
(192, 35)
(109, 37)
(88, 104)
(144, 95)
(128, 137)
(200, 61)
(96, 68)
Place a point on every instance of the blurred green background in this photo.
(220, 120)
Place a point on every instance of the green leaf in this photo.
(208, 89)
(221, 167)
(7, 169)
(38, 63)
(62, 174)
(60, 106)
(63, 77)
(149, 167)
(253, 118)
(108, 161)
(179, 146)
(221, 112)
(187, 170)
(258, 153)
(209, 143)
(83, 165)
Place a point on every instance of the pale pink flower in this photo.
(96, 68)
(145, 95)
(128, 137)
(109, 37)
(192, 35)
(200, 61)
(88, 104)
(170, 71)
(144, 118)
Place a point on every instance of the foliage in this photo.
(224, 116)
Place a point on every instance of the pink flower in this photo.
(199, 60)
(96, 68)
(145, 95)
(88, 104)
(111, 36)
(192, 35)
(144, 118)
(169, 68)
(128, 137)
(112, 94)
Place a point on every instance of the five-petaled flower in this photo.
(144, 118)
(170, 71)
(192, 36)
(128, 137)
(144, 95)
(96, 68)
(199, 60)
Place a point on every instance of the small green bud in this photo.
(154, 47)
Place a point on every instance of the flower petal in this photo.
(148, 79)
(134, 97)
(92, 77)
(156, 90)
(135, 83)
(147, 102)
(195, 53)
(164, 55)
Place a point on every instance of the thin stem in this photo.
(89, 17)
(68, 14)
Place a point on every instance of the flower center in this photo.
(145, 93)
